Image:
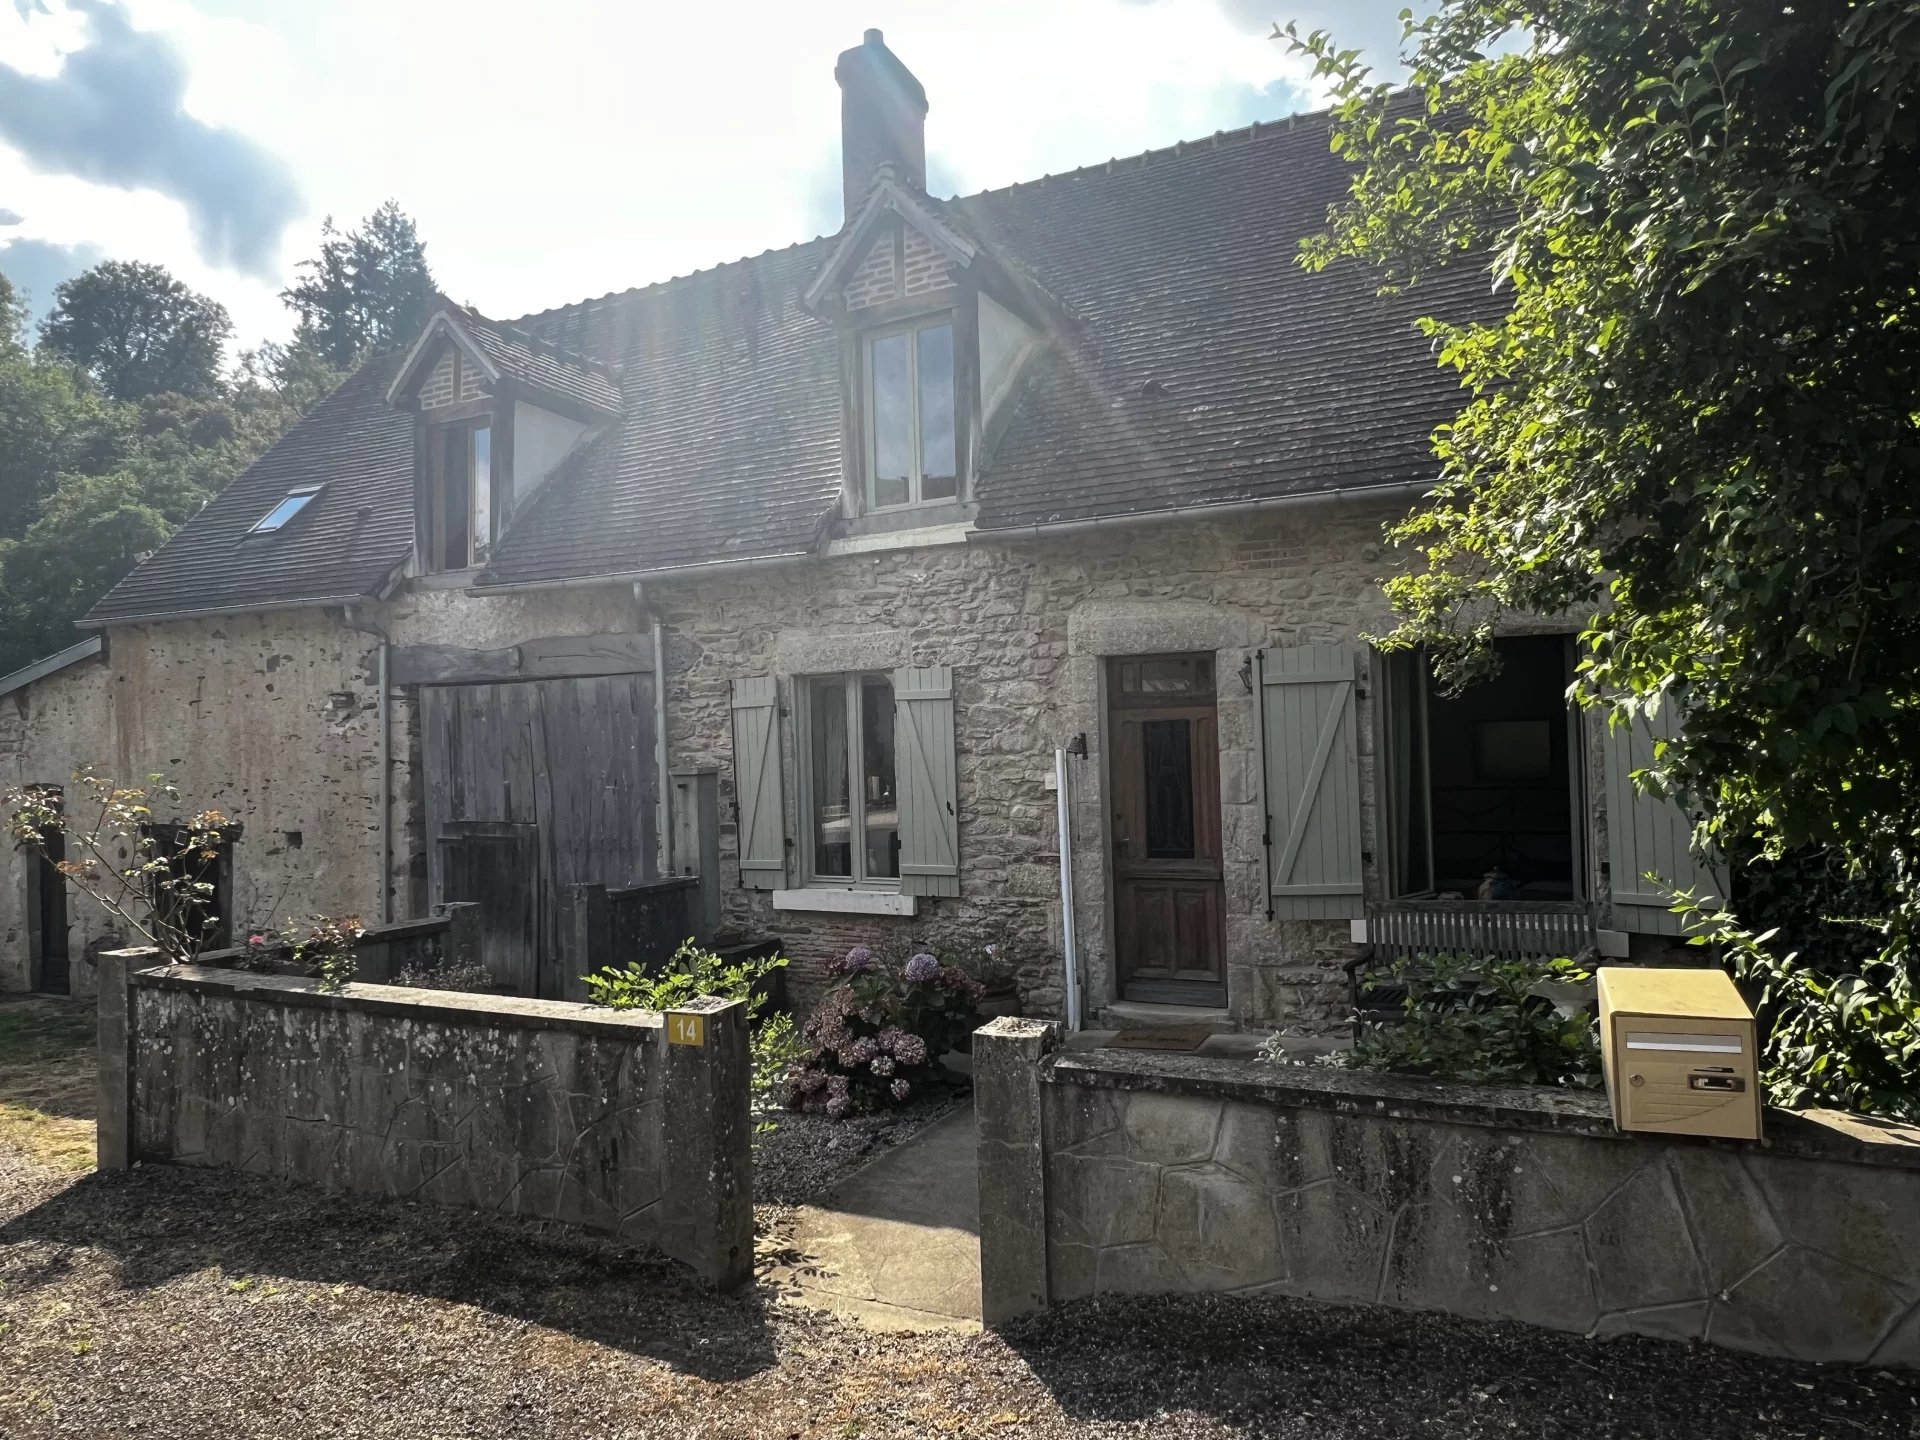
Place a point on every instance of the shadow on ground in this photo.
(1275, 1367)
(157, 1223)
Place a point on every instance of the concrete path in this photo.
(897, 1243)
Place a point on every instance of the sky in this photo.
(550, 153)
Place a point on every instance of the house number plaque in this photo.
(686, 1029)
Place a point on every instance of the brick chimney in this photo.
(883, 119)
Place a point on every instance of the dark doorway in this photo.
(1165, 778)
(51, 927)
(1484, 784)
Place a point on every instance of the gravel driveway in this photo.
(182, 1303)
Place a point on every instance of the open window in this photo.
(461, 485)
(193, 891)
(1483, 796)
(913, 449)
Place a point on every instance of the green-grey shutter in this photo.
(756, 783)
(924, 780)
(1649, 833)
(1312, 782)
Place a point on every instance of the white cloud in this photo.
(557, 152)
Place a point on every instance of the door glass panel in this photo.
(1166, 748)
(877, 778)
(832, 794)
(892, 421)
(482, 493)
(939, 478)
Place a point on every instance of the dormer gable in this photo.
(898, 249)
(497, 411)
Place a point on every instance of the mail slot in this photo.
(1679, 1052)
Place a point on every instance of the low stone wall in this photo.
(518, 1107)
(1134, 1171)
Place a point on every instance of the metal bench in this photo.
(1496, 929)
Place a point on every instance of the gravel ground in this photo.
(808, 1154)
(197, 1303)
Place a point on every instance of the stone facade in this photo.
(1027, 627)
(1177, 1173)
(273, 719)
(516, 1107)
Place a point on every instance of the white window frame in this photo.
(916, 480)
(848, 682)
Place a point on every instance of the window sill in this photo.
(847, 902)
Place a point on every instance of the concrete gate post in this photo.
(1013, 1173)
(707, 1138)
(113, 1131)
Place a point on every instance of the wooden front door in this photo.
(1165, 781)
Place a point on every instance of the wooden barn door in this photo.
(534, 787)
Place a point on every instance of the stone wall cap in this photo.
(409, 1002)
(1810, 1134)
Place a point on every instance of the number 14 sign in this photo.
(686, 1029)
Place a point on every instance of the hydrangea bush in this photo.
(877, 1038)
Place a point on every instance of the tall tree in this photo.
(367, 289)
(1696, 429)
(137, 331)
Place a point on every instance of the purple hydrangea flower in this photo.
(922, 968)
(900, 1089)
(837, 1086)
(882, 1066)
(838, 1106)
(910, 1050)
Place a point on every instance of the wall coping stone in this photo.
(410, 1003)
(1811, 1135)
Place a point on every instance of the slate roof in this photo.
(343, 545)
(542, 365)
(1196, 364)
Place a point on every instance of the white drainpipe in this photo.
(1066, 889)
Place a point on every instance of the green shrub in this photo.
(1850, 1040)
(1486, 1022)
(694, 972)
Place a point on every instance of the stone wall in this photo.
(516, 1107)
(271, 719)
(1178, 1173)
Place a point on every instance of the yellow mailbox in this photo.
(1680, 1052)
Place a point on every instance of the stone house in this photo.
(877, 537)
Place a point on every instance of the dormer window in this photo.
(461, 515)
(278, 518)
(913, 452)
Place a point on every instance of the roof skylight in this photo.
(297, 499)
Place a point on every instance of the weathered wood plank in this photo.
(550, 658)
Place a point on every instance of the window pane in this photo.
(1167, 754)
(877, 777)
(454, 499)
(482, 493)
(832, 818)
(937, 467)
(892, 422)
(283, 512)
